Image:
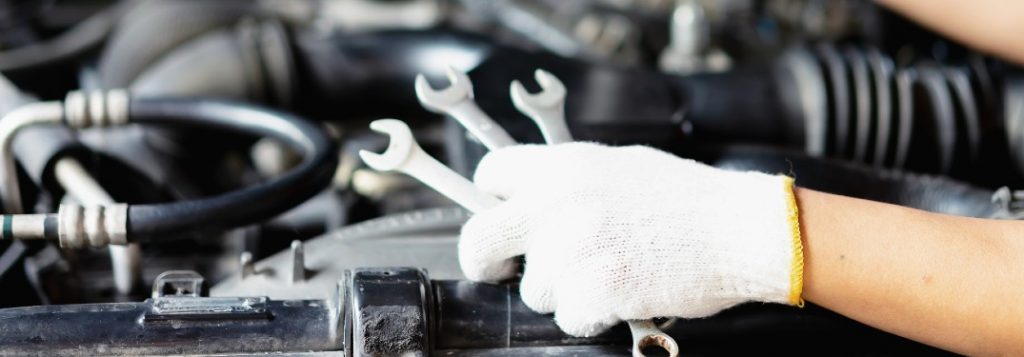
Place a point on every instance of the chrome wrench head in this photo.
(405, 155)
(457, 102)
(546, 108)
(552, 94)
(459, 90)
(401, 147)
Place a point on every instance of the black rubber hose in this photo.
(50, 68)
(930, 193)
(376, 69)
(248, 205)
(743, 105)
(73, 43)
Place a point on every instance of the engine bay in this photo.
(185, 177)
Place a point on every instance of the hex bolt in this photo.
(298, 262)
(248, 266)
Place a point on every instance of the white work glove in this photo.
(617, 233)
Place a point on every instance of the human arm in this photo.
(633, 233)
(990, 26)
(947, 281)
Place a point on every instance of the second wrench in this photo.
(547, 108)
(457, 102)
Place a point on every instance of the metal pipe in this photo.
(79, 183)
(23, 116)
(24, 226)
(125, 260)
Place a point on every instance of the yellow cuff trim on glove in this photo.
(797, 270)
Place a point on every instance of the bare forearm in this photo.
(951, 282)
(991, 26)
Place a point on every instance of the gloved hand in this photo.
(622, 233)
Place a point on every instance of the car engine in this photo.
(185, 177)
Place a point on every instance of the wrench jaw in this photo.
(440, 101)
(457, 102)
(551, 96)
(400, 147)
(550, 84)
(546, 108)
(521, 98)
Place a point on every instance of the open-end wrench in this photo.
(457, 102)
(546, 108)
(405, 155)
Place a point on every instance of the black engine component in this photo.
(398, 311)
(927, 192)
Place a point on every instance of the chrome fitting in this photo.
(83, 109)
(97, 225)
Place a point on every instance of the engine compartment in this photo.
(186, 178)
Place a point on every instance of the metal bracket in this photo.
(179, 308)
(186, 283)
(177, 295)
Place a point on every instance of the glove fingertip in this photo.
(491, 273)
(582, 327)
(581, 317)
(488, 241)
(540, 303)
(537, 287)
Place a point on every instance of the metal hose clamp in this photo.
(83, 109)
(96, 225)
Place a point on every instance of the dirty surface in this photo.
(391, 329)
